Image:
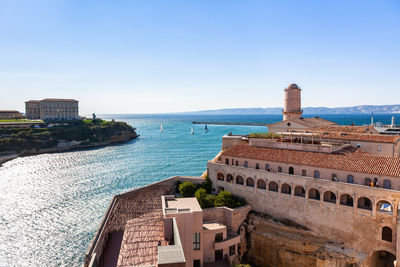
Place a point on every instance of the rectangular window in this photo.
(196, 241)
(237, 163)
(257, 166)
(233, 161)
(304, 172)
(218, 237)
(232, 250)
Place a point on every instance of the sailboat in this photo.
(161, 129)
(191, 131)
(205, 128)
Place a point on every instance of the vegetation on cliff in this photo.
(87, 131)
(265, 135)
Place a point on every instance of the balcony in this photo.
(226, 243)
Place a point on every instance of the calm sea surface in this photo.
(52, 204)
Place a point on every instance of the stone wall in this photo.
(231, 218)
(270, 243)
(357, 228)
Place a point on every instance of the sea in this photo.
(52, 204)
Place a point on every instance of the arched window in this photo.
(387, 234)
(229, 178)
(220, 176)
(267, 168)
(314, 194)
(261, 184)
(246, 164)
(346, 200)
(350, 179)
(291, 170)
(329, 196)
(227, 161)
(250, 182)
(239, 180)
(299, 191)
(286, 189)
(316, 174)
(384, 206)
(273, 187)
(364, 203)
(279, 169)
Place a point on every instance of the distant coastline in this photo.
(362, 109)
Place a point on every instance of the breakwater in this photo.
(230, 123)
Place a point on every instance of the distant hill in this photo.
(364, 109)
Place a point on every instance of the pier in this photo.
(229, 123)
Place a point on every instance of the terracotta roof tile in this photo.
(357, 161)
(141, 239)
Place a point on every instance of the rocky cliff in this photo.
(282, 243)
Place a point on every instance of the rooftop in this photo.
(140, 241)
(9, 111)
(176, 205)
(346, 128)
(213, 226)
(352, 160)
(345, 136)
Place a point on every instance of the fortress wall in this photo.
(231, 218)
(324, 173)
(356, 228)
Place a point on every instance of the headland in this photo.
(59, 136)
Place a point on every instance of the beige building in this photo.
(52, 108)
(10, 114)
(338, 191)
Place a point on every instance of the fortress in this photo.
(320, 194)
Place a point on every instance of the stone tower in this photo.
(292, 105)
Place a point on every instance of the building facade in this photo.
(52, 109)
(346, 195)
(10, 114)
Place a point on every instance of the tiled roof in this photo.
(346, 129)
(308, 122)
(9, 111)
(58, 100)
(33, 101)
(360, 137)
(357, 161)
(141, 238)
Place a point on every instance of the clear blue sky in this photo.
(170, 56)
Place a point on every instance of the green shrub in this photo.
(265, 135)
(225, 198)
(205, 200)
(187, 189)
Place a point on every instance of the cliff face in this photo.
(272, 243)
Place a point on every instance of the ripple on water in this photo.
(52, 204)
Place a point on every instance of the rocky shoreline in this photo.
(67, 146)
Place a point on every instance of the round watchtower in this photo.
(292, 105)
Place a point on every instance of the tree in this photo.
(187, 189)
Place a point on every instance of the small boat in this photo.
(191, 131)
(205, 128)
(161, 129)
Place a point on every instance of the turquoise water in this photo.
(52, 204)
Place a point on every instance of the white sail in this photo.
(191, 131)
(161, 129)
